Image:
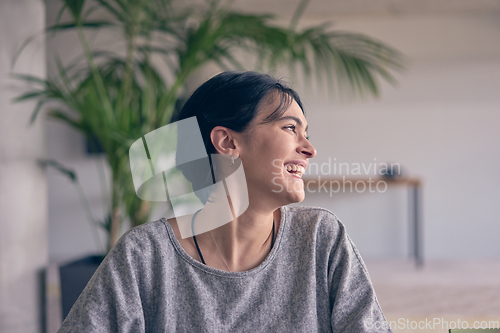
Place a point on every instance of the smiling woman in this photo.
(271, 268)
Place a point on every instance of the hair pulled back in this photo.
(231, 100)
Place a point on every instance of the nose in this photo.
(306, 149)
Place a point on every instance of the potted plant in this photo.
(116, 98)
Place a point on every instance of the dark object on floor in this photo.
(74, 277)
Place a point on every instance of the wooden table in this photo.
(415, 203)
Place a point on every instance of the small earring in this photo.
(232, 160)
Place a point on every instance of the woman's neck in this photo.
(241, 244)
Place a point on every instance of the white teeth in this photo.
(297, 169)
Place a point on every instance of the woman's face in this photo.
(275, 155)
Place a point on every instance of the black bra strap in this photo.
(272, 239)
(194, 237)
(198, 247)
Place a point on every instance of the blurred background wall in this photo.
(23, 188)
(439, 123)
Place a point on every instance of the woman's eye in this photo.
(293, 128)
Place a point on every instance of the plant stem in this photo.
(127, 79)
(88, 211)
(108, 109)
(115, 216)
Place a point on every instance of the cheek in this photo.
(264, 152)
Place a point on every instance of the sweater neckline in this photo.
(198, 265)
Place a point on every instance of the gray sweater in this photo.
(313, 280)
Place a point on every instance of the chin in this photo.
(287, 191)
(302, 197)
(295, 197)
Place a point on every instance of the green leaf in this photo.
(60, 115)
(75, 7)
(59, 167)
(37, 110)
(88, 25)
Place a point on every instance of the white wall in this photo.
(439, 123)
(23, 187)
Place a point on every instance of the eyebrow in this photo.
(297, 120)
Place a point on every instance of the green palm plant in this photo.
(118, 98)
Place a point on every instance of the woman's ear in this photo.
(223, 140)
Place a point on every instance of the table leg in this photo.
(417, 252)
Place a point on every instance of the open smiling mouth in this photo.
(295, 170)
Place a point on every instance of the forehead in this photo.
(278, 106)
